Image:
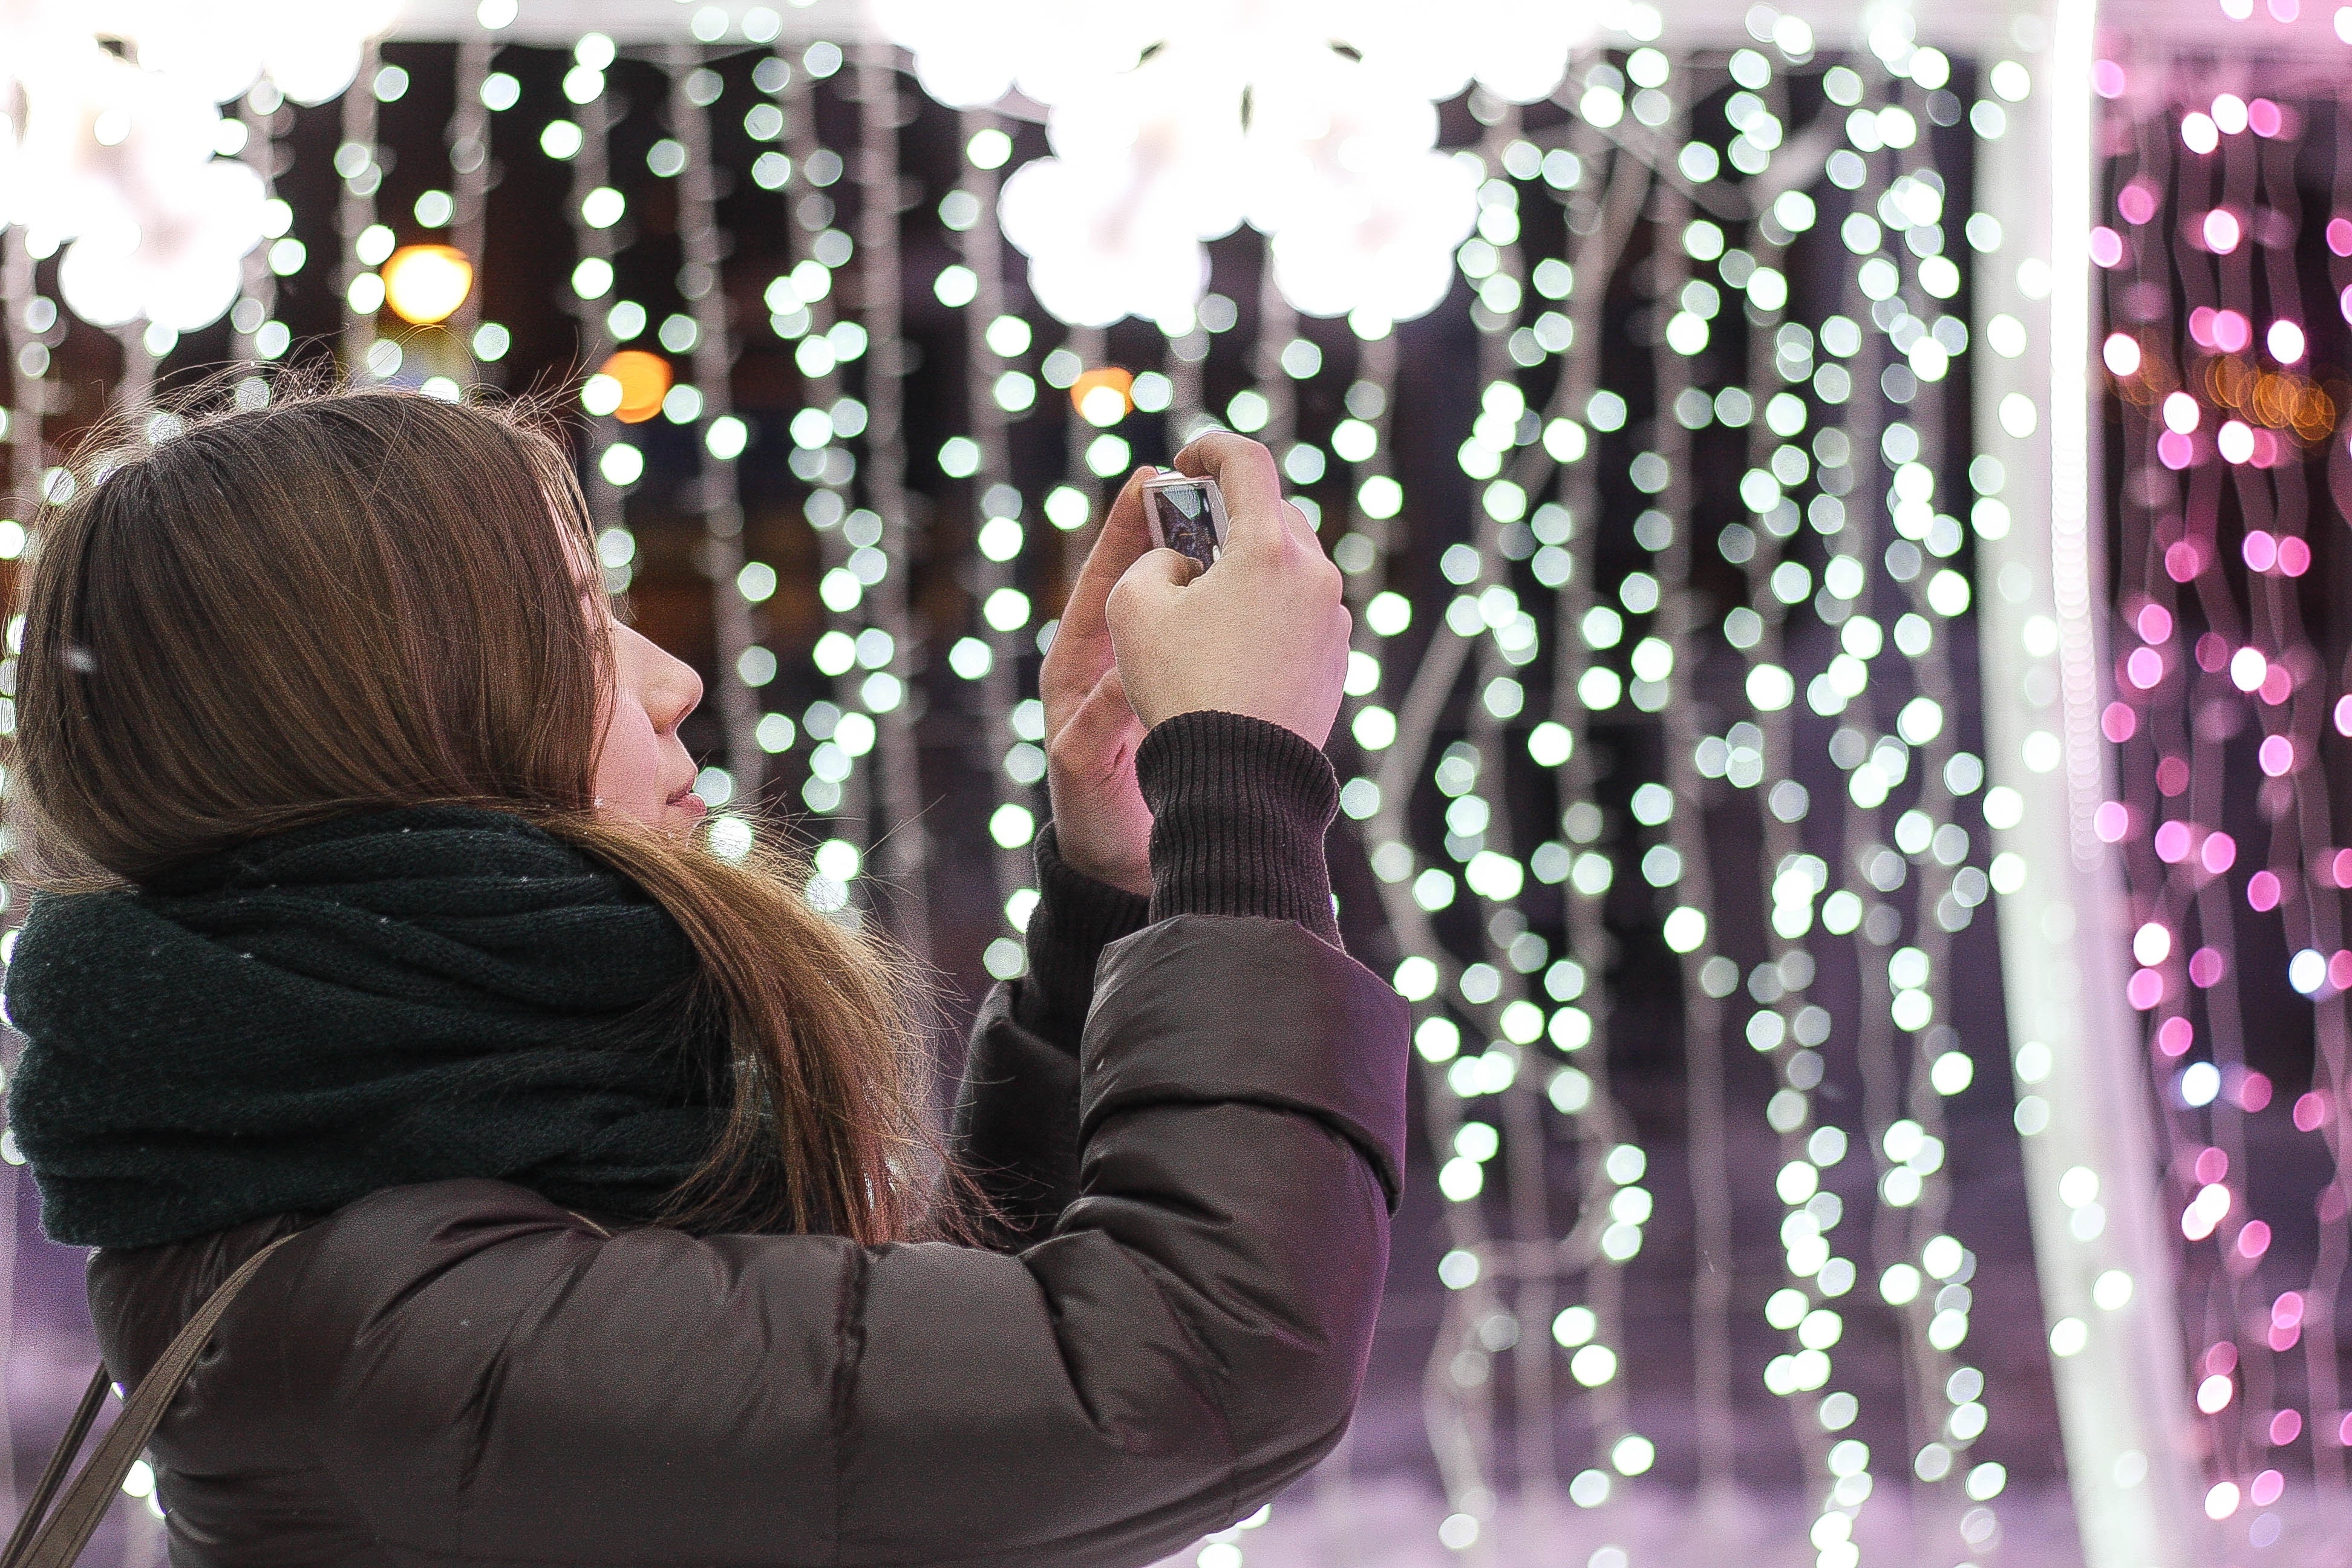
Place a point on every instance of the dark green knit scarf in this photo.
(398, 996)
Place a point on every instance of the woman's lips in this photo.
(689, 803)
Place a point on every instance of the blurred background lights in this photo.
(1687, 450)
(424, 284)
(1103, 395)
(640, 383)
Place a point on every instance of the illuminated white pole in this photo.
(2103, 1258)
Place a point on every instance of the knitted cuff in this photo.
(1239, 807)
(1076, 917)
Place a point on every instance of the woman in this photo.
(373, 907)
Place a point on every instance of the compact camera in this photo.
(1186, 515)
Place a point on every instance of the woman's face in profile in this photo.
(643, 771)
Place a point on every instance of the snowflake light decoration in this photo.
(1312, 122)
(115, 155)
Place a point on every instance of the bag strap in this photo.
(61, 1539)
(90, 1400)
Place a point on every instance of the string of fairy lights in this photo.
(2229, 420)
(1545, 758)
(1900, 993)
(807, 309)
(611, 462)
(1911, 992)
(1374, 722)
(996, 345)
(1518, 1289)
(709, 412)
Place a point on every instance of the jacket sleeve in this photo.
(1016, 1127)
(1239, 808)
(1190, 1338)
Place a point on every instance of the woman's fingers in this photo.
(1263, 632)
(1123, 537)
(1148, 583)
(1252, 486)
(1082, 649)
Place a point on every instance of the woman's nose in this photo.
(684, 693)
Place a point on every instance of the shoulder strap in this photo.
(60, 1541)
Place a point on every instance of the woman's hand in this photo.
(1100, 823)
(1263, 632)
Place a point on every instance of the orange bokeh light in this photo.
(426, 283)
(644, 381)
(1110, 376)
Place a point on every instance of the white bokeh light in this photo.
(114, 156)
(1337, 162)
(309, 48)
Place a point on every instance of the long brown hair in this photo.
(354, 600)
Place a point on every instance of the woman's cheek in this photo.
(628, 775)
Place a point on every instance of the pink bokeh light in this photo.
(2263, 891)
(2174, 1036)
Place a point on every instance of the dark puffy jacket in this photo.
(464, 1372)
